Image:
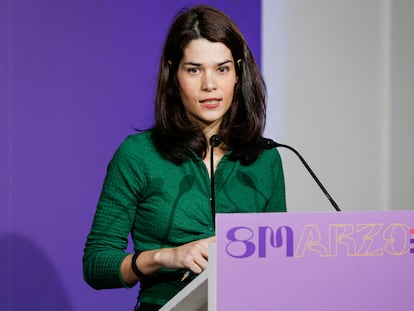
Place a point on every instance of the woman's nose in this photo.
(209, 82)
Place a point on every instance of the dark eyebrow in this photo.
(192, 64)
(199, 65)
(225, 62)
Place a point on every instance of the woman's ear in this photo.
(238, 68)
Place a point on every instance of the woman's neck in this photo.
(210, 130)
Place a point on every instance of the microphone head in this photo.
(215, 140)
(266, 143)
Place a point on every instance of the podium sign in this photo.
(315, 261)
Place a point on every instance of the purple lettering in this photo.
(275, 239)
(238, 246)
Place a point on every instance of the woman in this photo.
(157, 185)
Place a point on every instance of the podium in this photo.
(306, 261)
(199, 295)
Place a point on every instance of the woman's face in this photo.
(206, 79)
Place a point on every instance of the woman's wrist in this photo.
(134, 265)
(144, 263)
(159, 257)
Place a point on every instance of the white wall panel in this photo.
(336, 93)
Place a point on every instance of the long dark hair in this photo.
(174, 133)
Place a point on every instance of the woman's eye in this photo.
(193, 70)
(223, 69)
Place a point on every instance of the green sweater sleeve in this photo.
(114, 217)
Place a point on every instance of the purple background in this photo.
(312, 282)
(75, 78)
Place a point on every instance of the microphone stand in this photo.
(215, 141)
(267, 143)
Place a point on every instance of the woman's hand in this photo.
(192, 256)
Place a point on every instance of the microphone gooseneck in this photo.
(267, 143)
(215, 141)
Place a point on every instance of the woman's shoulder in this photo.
(138, 143)
(268, 156)
(139, 139)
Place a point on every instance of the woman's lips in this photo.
(210, 103)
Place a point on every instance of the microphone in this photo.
(215, 141)
(267, 143)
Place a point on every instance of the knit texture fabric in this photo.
(162, 204)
